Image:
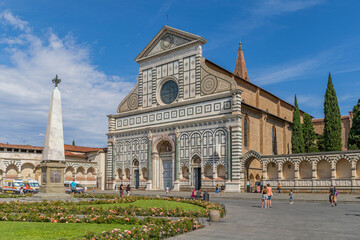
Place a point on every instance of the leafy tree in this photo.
(309, 134)
(332, 128)
(73, 143)
(354, 136)
(297, 140)
(320, 143)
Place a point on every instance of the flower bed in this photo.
(153, 221)
(150, 231)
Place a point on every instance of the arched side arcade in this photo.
(305, 172)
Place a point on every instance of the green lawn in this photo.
(154, 204)
(37, 230)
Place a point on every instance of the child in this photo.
(167, 190)
(291, 196)
(217, 190)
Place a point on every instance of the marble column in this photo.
(149, 182)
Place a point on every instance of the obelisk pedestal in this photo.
(53, 163)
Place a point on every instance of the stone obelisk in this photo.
(53, 163)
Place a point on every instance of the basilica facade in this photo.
(189, 123)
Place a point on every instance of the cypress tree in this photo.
(332, 128)
(73, 143)
(354, 136)
(320, 143)
(297, 140)
(309, 134)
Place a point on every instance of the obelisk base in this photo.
(52, 186)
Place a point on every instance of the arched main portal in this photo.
(253, 167)
(163, 165)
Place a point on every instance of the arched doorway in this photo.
(163, 165)
(196, 164)
(136, 178)
(253, 167)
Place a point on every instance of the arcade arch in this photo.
(272, 171)
(288, 170)
(127, 174)
(253, 167)
(69, 173)
(323, 169)
(27, 171)
(305, 170)
(90, 176)
(80, 174)
(343, 169)
(145, 174)
(12, 171)
(185, 173)
(119, 174)
(208, 172)
(221, 173)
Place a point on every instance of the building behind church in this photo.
(84, 164)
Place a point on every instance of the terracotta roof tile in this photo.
(72, 154)
(68, 148)
(6, 145)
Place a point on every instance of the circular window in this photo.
(169, 92)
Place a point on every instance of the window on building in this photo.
(246, 136)
(274, 144)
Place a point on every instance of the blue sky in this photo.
(289, 46)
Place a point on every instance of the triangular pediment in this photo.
(168, 39)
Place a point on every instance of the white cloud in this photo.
(88, 94)
(8, 18)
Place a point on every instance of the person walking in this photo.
(291, 196)
(167, 190)
(264, 198)
(258, 190)
(115, 186)
(217, 190)
(121, 189)
(223, 190)
(335, 197)
(27, 188)
(128, 190)
(73, 187)
(269, 194)
(332, 195)
(279, 188)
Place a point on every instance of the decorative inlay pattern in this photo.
(209, 85)
(211, 108)
(133, 101)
